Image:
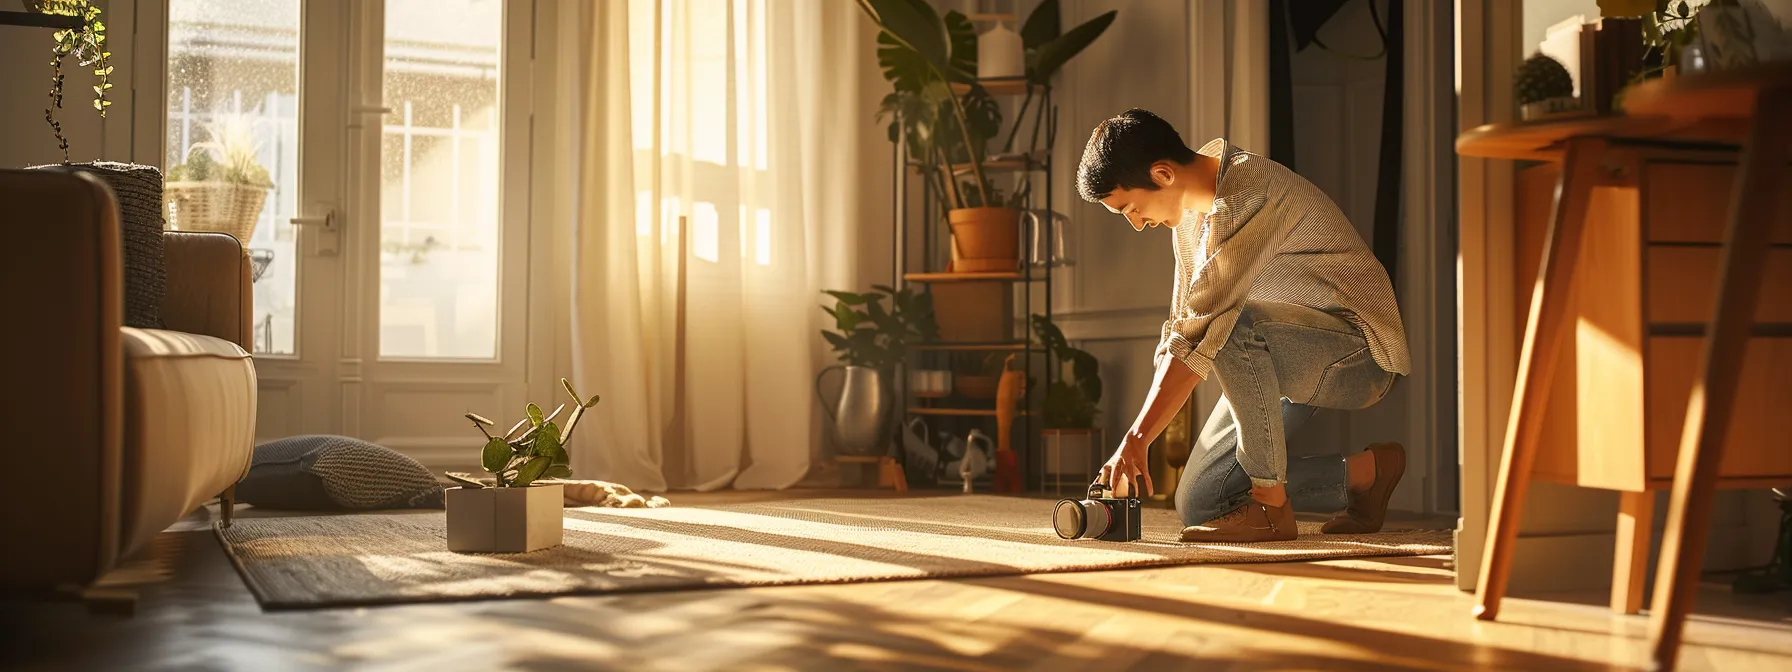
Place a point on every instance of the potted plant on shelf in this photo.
(1071, 403)
(87, 43)
(871, 341)
(947, 117)
(221, 185)
(515, 514)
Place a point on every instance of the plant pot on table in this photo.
(505, 520)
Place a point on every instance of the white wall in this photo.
(1539, 15)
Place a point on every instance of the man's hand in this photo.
(1127, 469)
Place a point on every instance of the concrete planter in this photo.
(505, 520)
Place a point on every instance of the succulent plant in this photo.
(1542, 78)
(534, 447)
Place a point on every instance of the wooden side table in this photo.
(1751, 109)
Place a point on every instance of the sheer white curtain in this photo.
(716, 174)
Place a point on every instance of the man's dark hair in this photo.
(1121, 150)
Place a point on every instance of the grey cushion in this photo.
(320, 472)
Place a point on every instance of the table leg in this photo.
(1630, 567)
(1545, 330)
(1753, 208)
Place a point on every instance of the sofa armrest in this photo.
(208, 286)
(61, 365)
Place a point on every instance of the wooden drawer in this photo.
(1690, 202)
(1758, 444)
(1682, 284)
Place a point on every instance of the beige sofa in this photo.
(111, 433)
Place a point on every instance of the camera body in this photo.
(1097, 517)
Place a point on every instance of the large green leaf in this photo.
(495, 455)
(557, 471)
(880, 316)
(847, 319)
(906, 70)
(840, 344)
(548, 444)
(912, 47)
(1041, 27)
(963, 39)
(530, 471)
(983, 115)
(1054, 54)
(1088, 374)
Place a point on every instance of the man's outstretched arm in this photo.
(1170, 388)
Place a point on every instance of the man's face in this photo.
(1149, 207)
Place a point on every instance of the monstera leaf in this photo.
(918, 50)
(962, 37)
(912, 48)
(1048, 49)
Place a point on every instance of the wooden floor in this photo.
(1372, 614)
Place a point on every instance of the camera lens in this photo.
(1080, 519)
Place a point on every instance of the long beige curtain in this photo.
(716, 174)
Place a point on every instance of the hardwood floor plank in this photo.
(1367, 614)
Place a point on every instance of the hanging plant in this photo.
(87, 44)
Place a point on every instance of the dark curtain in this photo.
(1294, 27)
(1281, 87)
(1387, 180)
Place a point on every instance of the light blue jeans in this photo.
(1281, 363)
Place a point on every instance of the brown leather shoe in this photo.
(1252, 521)
(1368, 508)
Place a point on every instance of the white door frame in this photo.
(405, 404)
(1488, 35)
(294, 387)
(337, 383)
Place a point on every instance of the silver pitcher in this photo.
(860, 413)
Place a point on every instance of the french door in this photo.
(391, 257)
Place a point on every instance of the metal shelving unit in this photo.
(1027, 441)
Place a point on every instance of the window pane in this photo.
(439, 180)
(233, 83)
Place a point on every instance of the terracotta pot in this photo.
(986, 234)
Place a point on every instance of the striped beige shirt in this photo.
(1273, 236)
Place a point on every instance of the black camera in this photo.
(1098, 517)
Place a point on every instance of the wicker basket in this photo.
(225, 207)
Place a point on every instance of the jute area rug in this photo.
(387, 558)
